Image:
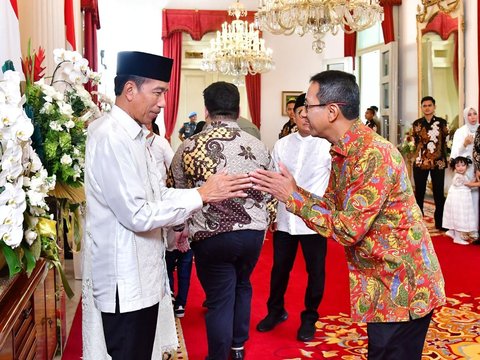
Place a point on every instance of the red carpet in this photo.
(282, 341)
(73, 349)
(460, 268)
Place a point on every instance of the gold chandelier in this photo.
(237, 50)
(317, 17)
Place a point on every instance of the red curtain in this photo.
(350, 40)
(91, 24)
(197, 23)
(253, 85)
(172, 48)
(387, 24)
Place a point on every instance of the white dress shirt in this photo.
(308, 160)
(162, 152)
(126, 208)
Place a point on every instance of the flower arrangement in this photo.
(27, 231)
(60, 110)
(407, 147)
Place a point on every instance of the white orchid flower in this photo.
(23, 129)
(59, 55)
(70, 124)
(66, 159)
(30, 236)
(55, 125)
(36, 198)
(65, 108)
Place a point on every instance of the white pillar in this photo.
(42, 21)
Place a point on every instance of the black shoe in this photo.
(306, 331)
(270, 321)
(237, 354)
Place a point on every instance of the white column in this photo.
(42, 21)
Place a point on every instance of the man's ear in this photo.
(130, 90)
(206, 114)
(333, 112)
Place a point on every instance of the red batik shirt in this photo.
(370, 209)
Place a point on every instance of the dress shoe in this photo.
(237, 354)
(306, 331)
(270, 321)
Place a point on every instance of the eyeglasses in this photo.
(325, 104)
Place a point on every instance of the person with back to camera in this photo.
(295, 151)
(369, 208)
(125, 282)
(227, 236)
(459, 215)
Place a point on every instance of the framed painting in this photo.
(286, 97)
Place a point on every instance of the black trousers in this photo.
(224, 264)
(420, 178)
(397, 340)
(130, 335)
(314, 248)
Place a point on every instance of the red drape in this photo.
(172, 48)
(350, 46)
(387, 24)
(91, 24)
(253, 84)
(350, 40)
(197, 23)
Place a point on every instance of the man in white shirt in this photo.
(127, 206)
(308, 159)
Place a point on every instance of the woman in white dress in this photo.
(462, 145)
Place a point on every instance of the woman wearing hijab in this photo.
(463, 145)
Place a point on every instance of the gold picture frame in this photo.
(286, 97)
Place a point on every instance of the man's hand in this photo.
(222, 186)
(281, 185)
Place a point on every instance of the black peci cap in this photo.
(299, 101)
(145, 65)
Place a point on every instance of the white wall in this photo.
(138, 26)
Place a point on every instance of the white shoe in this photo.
(450, 233)
(457, 240)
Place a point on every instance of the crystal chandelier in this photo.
(237, 50)
(317, 17)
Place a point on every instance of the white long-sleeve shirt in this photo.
(126, 208)
(308, 160)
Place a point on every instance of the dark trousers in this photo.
(130, 335)
(224, 264)
(314, 248)
(183, 262)
(397, 340)
(438, 180)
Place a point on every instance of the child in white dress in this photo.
(458, 214)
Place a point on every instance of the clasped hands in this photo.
(222, 186)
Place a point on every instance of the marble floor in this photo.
(71, 304)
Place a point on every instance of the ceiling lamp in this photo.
(317, 17)
(237, 50)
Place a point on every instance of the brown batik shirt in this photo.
(431, 143)
(223, 145)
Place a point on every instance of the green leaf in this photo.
(13, 261)
(30, 260)
(65, 140)
(36, 248)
